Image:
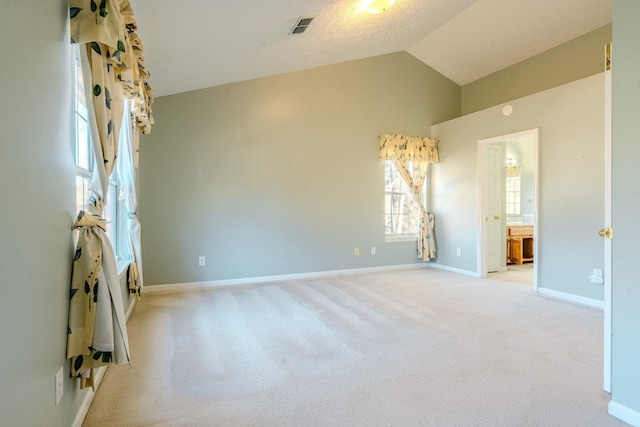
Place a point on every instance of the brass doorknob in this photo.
(606, 233)
(496, 217)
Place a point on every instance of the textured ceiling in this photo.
(202, 43)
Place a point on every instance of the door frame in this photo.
(482, 261)
(607, 223)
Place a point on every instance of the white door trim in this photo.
(482, 252)
(607, 223)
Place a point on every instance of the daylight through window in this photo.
(402, 214)
(85, 160)
(513, 195)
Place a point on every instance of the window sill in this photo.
(400, 238)
(122, 265)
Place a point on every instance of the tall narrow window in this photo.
(513, 195)
(83, 148)
(85, 162)
(402, 214)
(512, 188)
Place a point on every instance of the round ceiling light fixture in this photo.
(376, 6)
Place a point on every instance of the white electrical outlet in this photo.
(373, 250)
(201, 261)
(458, 252)
(597, 278)
(59, 385)
(356, 251)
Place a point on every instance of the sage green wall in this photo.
(281, 175)
(37, 183)
(576, 59)
(626, 205)
(570, 119)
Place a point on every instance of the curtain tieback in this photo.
(85, 219)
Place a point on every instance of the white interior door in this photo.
(494, 158)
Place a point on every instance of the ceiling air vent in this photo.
(302, 25)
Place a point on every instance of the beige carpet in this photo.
(408, 348)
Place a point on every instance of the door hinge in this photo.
(607, 233)
(607, 57)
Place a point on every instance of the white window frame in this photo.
(83, 172)
(121, 239)
(116, 229)
(402, 191)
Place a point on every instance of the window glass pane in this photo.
(402, 215)
(83, 157)
(83, 136)
(85, 160)
(123, 232)
(393, 181)
(513, 195)
(81, 106)
(80, 193)
(110, 212)
(81, 100)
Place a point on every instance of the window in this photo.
(402, 214)
(513, 195)
(83, 149)
(85, 162)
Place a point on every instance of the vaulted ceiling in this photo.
(202, 43)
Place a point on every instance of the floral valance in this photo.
(109, 25)
(408, 148)
(513, 171)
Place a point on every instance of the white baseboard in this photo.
(572, 298)
(88, 398)
(266, 279)
(624, 413)
(90, 394)
(131, 306)
(454, 270)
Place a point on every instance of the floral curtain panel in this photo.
(413, 174)
(411, 157)
(133, 75)
(110, 29)
(113, 69)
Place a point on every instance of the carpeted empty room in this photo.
(406, 348)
